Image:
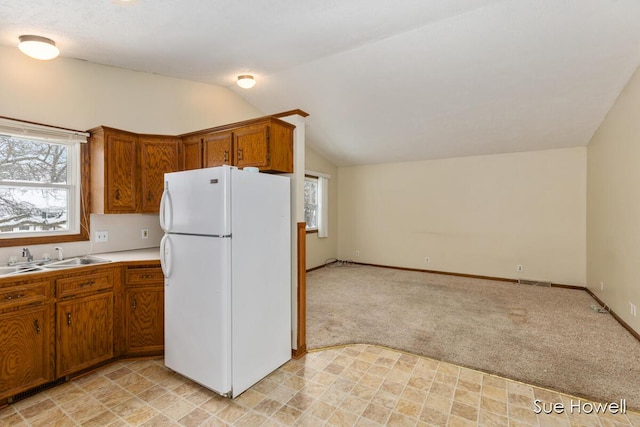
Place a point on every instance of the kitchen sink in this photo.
(34, 267)
(10, 270)
(76, 262)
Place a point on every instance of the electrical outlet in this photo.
(145, 233)
(602, 286)
(427, 260)
(519, 268)
(357, 253)
(101, 236)
(632, 309)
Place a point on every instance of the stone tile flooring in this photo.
(357, 385)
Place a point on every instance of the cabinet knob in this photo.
(36, 326)
(117, 195)
(68, 319)
(149, 196)
(239, 153)
(134, 304)
(226, 156)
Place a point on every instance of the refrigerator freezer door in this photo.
(197, 202)
(198, 309)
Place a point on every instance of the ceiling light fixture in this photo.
(38, 47)
(246, 81)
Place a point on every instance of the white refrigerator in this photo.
(226, 257)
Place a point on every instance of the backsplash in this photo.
(124, 233)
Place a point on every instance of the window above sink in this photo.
(41, 183)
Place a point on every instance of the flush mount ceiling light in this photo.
(38, 47)
(246, 81)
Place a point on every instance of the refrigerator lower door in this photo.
(197, 309)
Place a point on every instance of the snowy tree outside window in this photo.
(39, 189)
(311, 202)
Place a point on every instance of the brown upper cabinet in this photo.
(216, 149)
(205, 150)
(191, 151)
(127, 170)
(113, 171)
(158, 154)
(265, 143)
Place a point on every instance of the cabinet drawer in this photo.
(24, 294)
(144, 276)
(83, 284)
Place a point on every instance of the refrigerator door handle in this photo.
(165, 255)
(166, 208)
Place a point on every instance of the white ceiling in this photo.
(384, 81)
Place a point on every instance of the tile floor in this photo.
(357, 385)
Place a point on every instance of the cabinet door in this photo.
(216, 149)
(84, 332)
(121, 194)
(252, 146)
(25, 351)
(144, 311)
(158, 155)
(191, 152)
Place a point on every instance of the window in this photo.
(311, 202)
(316, 200)
(40, 184)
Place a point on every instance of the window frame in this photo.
(81, 208)
(307, 229)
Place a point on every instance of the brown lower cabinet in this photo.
(26, 335)
(144, 310)
(54, 325)
(84, 320)
(25, 349)
(84, 332)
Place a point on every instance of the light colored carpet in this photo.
(543, 336)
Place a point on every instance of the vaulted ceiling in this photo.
(383, 81)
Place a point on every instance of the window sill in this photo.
(312, 230)
(41, 240)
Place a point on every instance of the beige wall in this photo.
(320, 250)
(80, 95)
(613, 206)
(479, 215)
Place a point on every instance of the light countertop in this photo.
(148, 254)
(151, 255)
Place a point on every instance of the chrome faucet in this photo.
(27, 253)
(59, 249)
